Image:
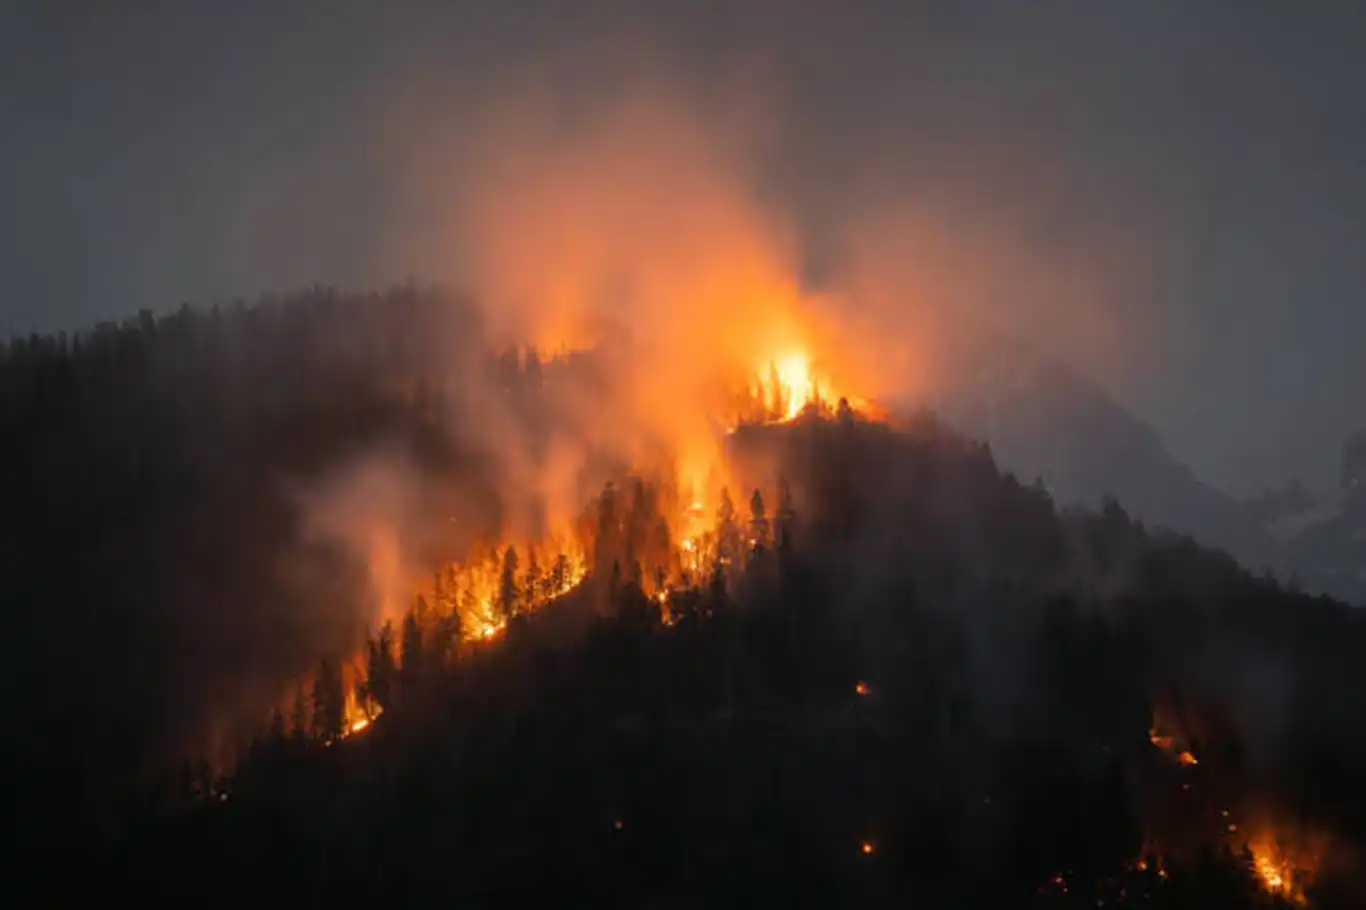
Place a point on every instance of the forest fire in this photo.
(1281, 855)
(1286, 860)
(1174, 744)
(669, 533)
(583, 628)
(472, 600)
(790, 384)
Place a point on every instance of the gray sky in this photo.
(154, 153)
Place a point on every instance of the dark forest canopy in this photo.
(153, 557)
(916, 680)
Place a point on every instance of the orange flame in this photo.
(1286, 860)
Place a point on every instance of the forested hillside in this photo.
(876, 670)
(157, 576)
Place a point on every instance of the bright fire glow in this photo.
(1275, 869)
(794, 383)
(1285, 860)
(788, 384)
(474, 589)
(1168, 743)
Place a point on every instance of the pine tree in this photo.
(728, 542)
(508, 591)
(411, 668)
(329, 701)
(559, 574)
(716, 591)
(380, 671)
(548, 589)
(453, 633)
(278, 732)
(299, 726)
(531, 594)
(614, 584)
(422, 613)
(758, 523)
(532, 368)
(605, 549)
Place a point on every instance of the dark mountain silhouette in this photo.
(905, 677)
(1324, 533)
(1044, 419)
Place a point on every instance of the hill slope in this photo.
(1046, 420)
(935, 688)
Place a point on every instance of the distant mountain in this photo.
(1324, 534)
(1048, 421)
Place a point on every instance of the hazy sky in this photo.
(154, 153)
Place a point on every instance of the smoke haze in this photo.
(691, 216)
(1113, 219)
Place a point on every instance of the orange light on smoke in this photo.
(1159, 740)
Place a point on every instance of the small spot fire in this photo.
(1284, 856)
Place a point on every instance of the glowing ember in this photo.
(861, 688)
(359, 725)
(867, 848)
(1167, 743)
